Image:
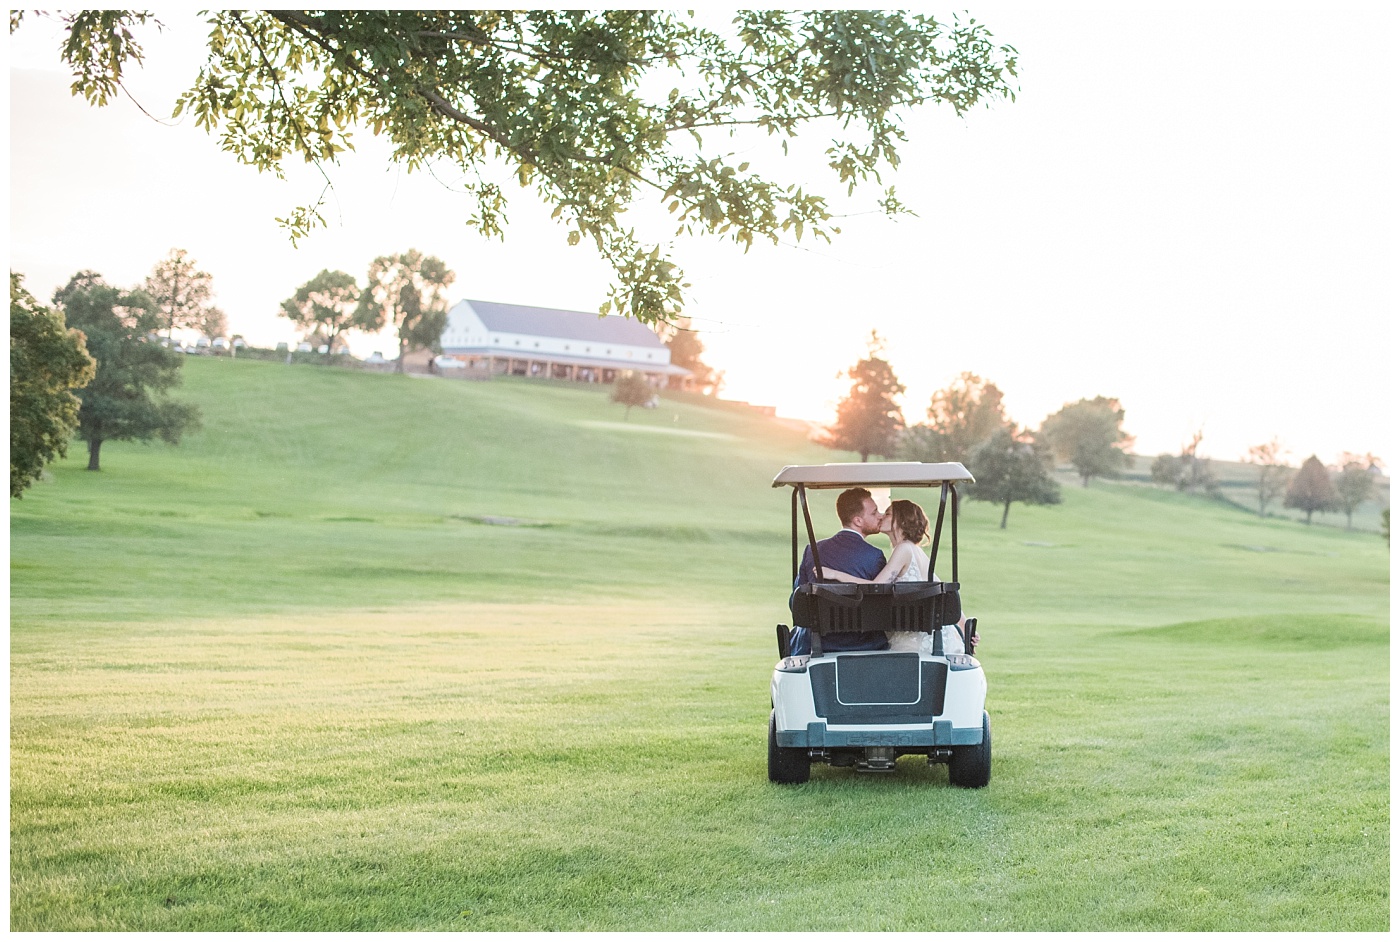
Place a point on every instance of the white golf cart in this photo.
(867, 708)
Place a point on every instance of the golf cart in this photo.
(867, 708)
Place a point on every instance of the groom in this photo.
(848, 552)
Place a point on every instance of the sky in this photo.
(1188, 208)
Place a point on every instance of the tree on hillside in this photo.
(330, 304)
(1089, 435)
(47, 361)
(184, 296)
(868, 421)
(1196, 471)
(1010, 466)
(1188, 471)
(125, 400)
(1311, 489)
(960, 417)
(686, 350)
(1166, 470)
(1273, 472)
(408, 291)
(594, 110)
(1355, 485)
(631, 389)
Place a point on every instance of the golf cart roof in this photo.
(873, 474)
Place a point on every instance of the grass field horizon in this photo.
(296, 673)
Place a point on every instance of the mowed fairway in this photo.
(296, 674)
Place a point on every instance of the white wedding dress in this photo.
(922, 641)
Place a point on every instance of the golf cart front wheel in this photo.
(786, 766)
(971, 766)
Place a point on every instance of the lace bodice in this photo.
(922, 642)
(918, 565)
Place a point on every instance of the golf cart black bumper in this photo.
(820, 736)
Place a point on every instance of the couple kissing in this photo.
(847, 557)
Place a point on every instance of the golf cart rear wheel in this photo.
(787, 766)
(971, 766)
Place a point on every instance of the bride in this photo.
(906, 524)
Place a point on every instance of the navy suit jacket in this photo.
(848, 552)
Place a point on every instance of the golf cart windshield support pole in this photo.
(811, 536)
(794, 536)
(954, 489)
(937, 531)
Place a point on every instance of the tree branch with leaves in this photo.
(594, 111)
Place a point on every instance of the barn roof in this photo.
(570, 325)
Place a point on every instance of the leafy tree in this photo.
(1010, 466)
(686, 350)
(1273, 472)
(1311, 489)
(47, 360)
(214, 324)
(329, 304)
(408, 291)
(593, 110)
(631, 389)
(868, 420)
(1167, 471)
(125, 400)
(1089, 435)
(184, 294)
(1355, 485)
(961, 416)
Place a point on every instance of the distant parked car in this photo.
(449, 363)
(238, 343)
(282, 348)
(303, 347)
(376, 358)
(201, 345)
(218, 345)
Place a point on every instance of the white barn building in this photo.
(536, 341)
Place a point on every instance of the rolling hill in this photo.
(381, 652)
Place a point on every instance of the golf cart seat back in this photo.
(838, 607)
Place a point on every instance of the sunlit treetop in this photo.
(595, 111)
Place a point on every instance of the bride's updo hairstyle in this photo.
(911, 520)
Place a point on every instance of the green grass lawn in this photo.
(285, 677)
